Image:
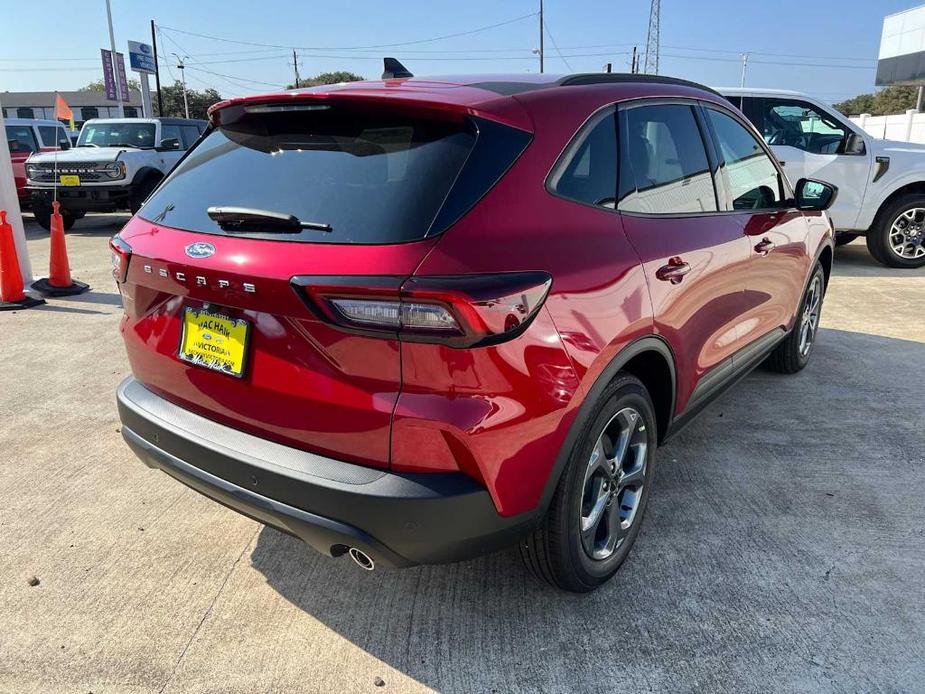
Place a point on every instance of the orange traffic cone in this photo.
(12, 297)
(58, 282)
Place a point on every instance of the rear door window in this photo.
(190, 134)
(372, 175)
(53, 136)
(663, 162)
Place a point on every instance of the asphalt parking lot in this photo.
(783, 548)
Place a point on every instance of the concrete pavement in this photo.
(783, 548)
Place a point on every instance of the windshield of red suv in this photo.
(350, 174)
(105, 134)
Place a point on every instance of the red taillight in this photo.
(121, 253)
(460, 311)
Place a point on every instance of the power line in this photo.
(357, 48)
(556, 46)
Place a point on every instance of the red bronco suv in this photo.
(416, 320)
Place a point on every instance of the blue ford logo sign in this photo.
(200, 249)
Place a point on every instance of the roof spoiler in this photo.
(393, 69)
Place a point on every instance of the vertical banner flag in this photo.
(62, 110)
(123, 83)
(108, 77)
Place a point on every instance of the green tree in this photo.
(100, 86)
(172, 96)
(328, 78)
(884, 102)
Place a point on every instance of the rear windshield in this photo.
(369, 175)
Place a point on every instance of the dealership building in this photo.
(85, 105)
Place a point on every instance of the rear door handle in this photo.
(764, 246)
(674, 271)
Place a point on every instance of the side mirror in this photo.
(854, 144)
(813, 195)
(170, 143)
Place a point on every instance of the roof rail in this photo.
(586, 78)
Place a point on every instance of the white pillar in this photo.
(910, 114)
(10, 202)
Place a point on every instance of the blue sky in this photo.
(828, 49)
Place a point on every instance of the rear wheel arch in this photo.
(825, 259)
(651, 360)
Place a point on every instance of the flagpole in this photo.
(57, 146)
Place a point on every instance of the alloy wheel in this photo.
(907, 234)
(613, 484)
(809, 321)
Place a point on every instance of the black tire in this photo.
(555, 552)
(878, 238)
(141, 194)
(42, 215)
(843, 238)
(789, 356)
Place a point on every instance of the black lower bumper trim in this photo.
(397, 519)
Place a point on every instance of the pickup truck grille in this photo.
(87, 172)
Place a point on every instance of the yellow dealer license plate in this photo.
(214, 341)
(69, 180)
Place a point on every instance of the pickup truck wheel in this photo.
(143, 191)
(793, 353)
(897, 238)
(42, 214)
(597, 510)
(844, 238)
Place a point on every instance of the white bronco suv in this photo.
(881, 183)
(115, 165)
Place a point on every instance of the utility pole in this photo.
(157, 72)
(295, 66)
(652, 40)
(115, 71)
(744, 68)
(181, 67)
(634, 65)
(541, 36)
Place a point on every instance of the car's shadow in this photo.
(782, 543)
(90, 225)
(854, 260)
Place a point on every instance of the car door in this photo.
(756, 195)
(811, 142)
(694, 257)
(172, 156)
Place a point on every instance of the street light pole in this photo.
(541, 36)
(181, 67)
(115, 71)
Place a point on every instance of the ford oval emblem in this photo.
(200, 249)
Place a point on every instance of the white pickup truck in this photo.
(881, 183)
(115, 165)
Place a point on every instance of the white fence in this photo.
(905, 127)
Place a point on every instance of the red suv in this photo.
(417, 320)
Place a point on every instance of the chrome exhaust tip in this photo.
(362, 559)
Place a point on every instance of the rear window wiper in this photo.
(248, 218)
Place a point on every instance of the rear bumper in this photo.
(397, 519)
(86, 198)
